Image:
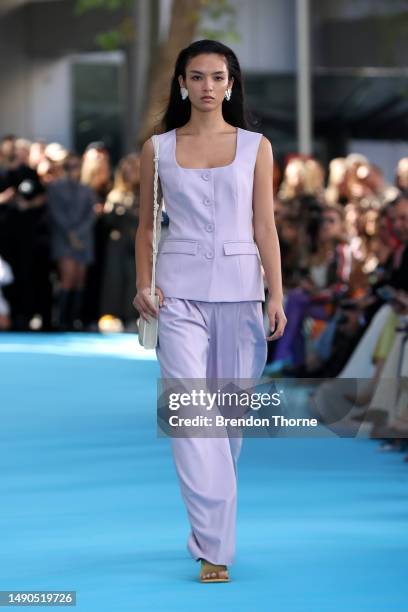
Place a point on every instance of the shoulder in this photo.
(264, 149)
(146, 155)
(148, 144)
(147, 148)
(56, 185)
(263, 143)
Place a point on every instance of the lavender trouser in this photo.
(207, 340)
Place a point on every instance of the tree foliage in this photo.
(219, 12)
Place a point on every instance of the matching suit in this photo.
(211, 322)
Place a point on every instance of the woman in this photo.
(72, 217)
(27, 241)
(327, 277)
(302, 194)
(216, 178)
(121, 213)
(96, 174)
(335, 193)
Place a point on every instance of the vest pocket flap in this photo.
(187, 247)
(240, 248)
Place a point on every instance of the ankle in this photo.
(215, 565)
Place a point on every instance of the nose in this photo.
(207, 86)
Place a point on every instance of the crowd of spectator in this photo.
(67, 228)
(67, 231)
(344, 244)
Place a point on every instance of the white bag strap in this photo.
(156, 207)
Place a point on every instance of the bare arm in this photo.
(266, 235)
(7, 195)
(144, 235)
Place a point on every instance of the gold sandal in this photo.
(213, 573)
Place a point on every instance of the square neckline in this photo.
(213, 167)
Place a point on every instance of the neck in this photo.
(206, 123)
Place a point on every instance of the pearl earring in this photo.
(227, 94)
(184, 92)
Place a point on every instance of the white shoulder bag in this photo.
(148, 330)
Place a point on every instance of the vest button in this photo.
(209, 227)
(205, 176)
(209, 254)
(207, 202)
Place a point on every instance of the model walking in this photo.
(216, 179)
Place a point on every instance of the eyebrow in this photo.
(217, 72)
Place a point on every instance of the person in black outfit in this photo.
(27, 244)
(121, 212)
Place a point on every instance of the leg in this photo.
(237, 351)
(77, 292)
(200, 340)
(238, 348)
(66, 268)
(182, 352)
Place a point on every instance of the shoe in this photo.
(213, 573)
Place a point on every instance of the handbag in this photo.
(148, 329)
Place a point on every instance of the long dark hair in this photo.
(234, 111)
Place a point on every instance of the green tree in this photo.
(186, 21)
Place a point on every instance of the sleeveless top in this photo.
(209, 253)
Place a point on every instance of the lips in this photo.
(207, 98)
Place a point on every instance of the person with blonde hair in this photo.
(121, 217)
(335, 192)
(96, 174)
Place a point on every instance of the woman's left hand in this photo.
(277, 318)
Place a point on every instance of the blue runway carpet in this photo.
(90, 499)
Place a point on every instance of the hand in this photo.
(277, 318)
(22, 203)
(144, 304)
(98, 208)
(75, 242)
(7, 195)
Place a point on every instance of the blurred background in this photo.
(83, 84)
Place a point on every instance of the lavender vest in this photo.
(209, 252)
